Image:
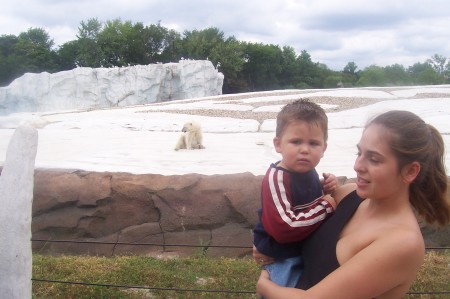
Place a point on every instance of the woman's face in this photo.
(377, 173)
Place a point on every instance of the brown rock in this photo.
(123, 209)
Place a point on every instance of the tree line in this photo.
(246, 66)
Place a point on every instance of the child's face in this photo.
(301, 145)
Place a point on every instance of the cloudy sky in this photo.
(334, 32)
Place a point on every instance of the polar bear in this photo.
(191, 138)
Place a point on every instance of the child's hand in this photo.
(330, 200)
(329, 183)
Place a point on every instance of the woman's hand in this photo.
(260, 258)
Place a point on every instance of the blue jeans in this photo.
(286, 272)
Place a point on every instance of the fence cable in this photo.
(139, 244)
(188, 290)
(141, 287)
(167, 245)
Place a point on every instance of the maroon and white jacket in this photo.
(292, 208)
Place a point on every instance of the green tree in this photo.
(322, 73)
(31, 51)
(424, 74)
(438, 63)
(349, 75)
(396, 74)
(229, 59)
(263, 66)
(350, 68)
(372, 76)
(310, 74)
(10, 62)
(173, 47)
(37, 37)
(112, 42)
(442, 67)
(246, 66)
(332, 81)
(134, 48)
(35, 49)
(447, 72)
(158, 39)
(289, 74)
(68, 55)
(89, 53)
(123, 44)
(198, 44)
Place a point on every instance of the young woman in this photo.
(372, 247)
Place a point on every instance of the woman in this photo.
(373, 248)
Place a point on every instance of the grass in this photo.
(199, 273)
(433, 276)
(194, 273)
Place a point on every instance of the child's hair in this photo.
(411, 139)
(302, 110)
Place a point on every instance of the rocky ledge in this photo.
(122, 209)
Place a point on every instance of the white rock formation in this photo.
(16, 197)
(87, 88)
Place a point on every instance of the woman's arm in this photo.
(386, 266)
(389, 264)
(270, 290)
(342, 191)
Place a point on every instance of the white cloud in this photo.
(334, 32)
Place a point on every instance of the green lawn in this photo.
(156, 276)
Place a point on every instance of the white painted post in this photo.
(16, 197)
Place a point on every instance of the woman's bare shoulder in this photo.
(408, 238)
(404, 251)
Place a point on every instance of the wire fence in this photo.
(143, 287)
(242, 292)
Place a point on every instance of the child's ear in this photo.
(324, 148)
(410, 172)
(277, 144)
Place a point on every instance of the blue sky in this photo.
(334, 32)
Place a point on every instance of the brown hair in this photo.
(411, 139)
(302, 110)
